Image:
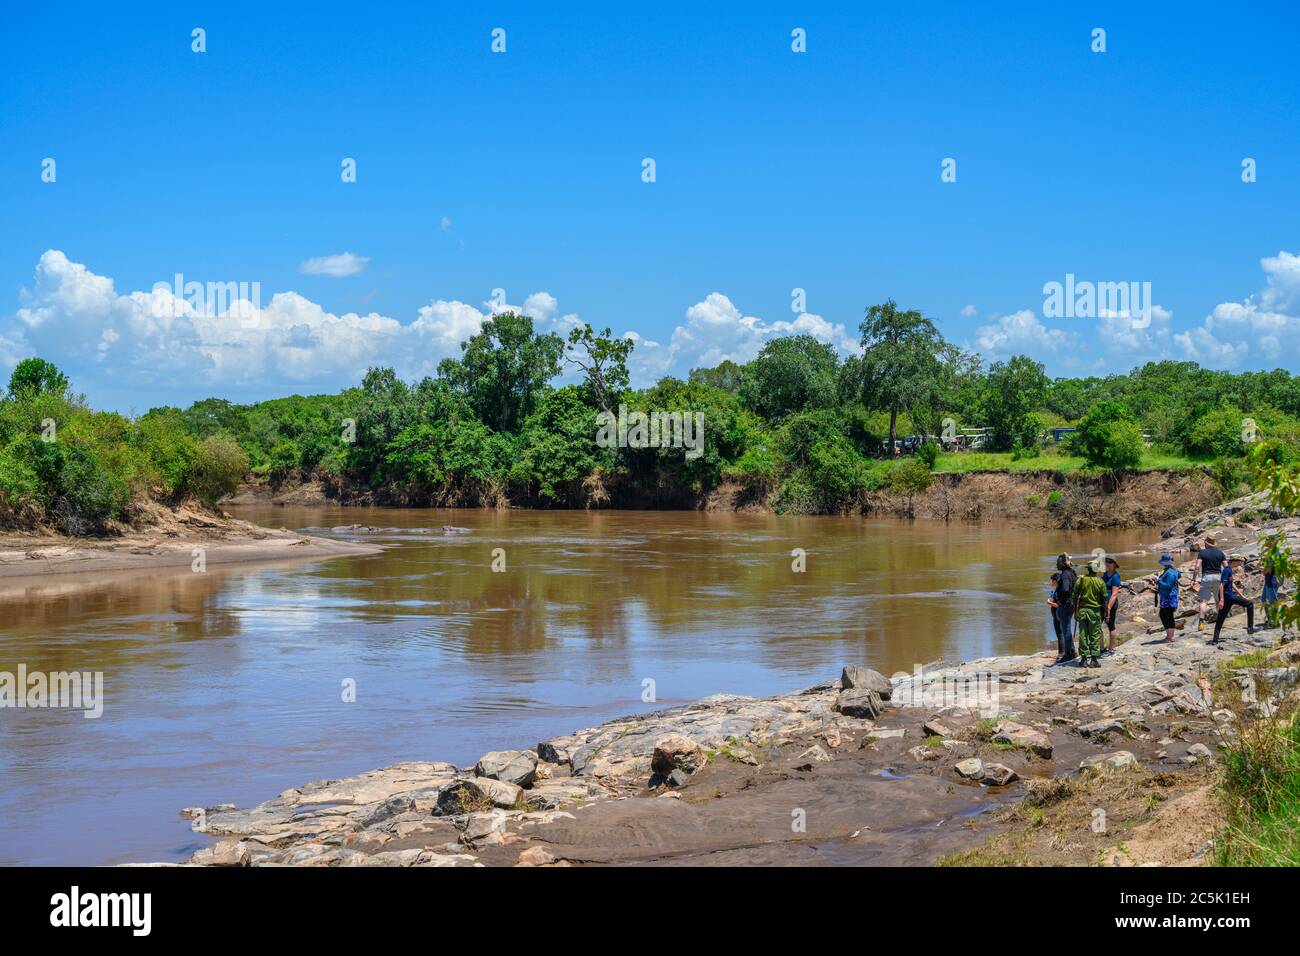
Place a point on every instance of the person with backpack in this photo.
(1230, 597)
(1067, 578)
(1167, 594)
(1112, 582)
(1089, 597)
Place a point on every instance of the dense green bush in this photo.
(219, 467)
(1109, 437)
(1217, 433)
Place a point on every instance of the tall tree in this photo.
(34, 375)
(503, 369)
(902, 359)
(603, 360)
(1013, 390)
(789, 375)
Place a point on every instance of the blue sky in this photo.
(522, 171)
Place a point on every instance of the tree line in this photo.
(797, 428)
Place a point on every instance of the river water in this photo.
(230, 685)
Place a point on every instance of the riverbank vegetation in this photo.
(797, 429)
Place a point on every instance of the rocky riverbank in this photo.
(1006, 760)
(859, 770)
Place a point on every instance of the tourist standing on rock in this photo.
(1208, 574)
(1229, 598)
(1269, 597)
(1167, 594)
(1112, 582)
(1051, 611)
(1066, 579)
(1089, 598)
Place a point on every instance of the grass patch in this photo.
(1053, 824)
(956, 463)
(1261, 786)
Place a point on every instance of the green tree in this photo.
(1217, 433)
(725, 375)
(1109, 437)
(1012, 391)
(35, 375)
(603, 361)
(504, 369)
(559, 448)
(790, 375)
(900, 365)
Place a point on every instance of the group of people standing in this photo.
(1084, 603)
(1090, 601)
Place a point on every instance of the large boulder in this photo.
(859, 702)
(513, 766)
(1024, 737)
(866, 679)
(676, 752)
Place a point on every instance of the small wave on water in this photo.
(950, 593)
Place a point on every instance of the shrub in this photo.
(167, 450)
(928, 454)
(1217, 433)
(1109, 437)
(909, 478)
(219, 467)
(1228, 475)
(88, 494)
(755, 471)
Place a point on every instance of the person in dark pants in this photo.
(1051, 612)
(1065, 606)
(1112, 582)
(1229, 598)
(1167, 595)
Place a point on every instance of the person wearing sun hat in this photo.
(1089, 598)
(1167, 594)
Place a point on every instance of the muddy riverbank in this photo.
(1043, 499)
(169, 538)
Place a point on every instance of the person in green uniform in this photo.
(1089, 598)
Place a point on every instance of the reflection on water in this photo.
(227, 685)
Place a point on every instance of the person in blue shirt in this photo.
(1167, 594)
(1230, 597)
(1112, 582)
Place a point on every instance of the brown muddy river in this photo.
(229, 685)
